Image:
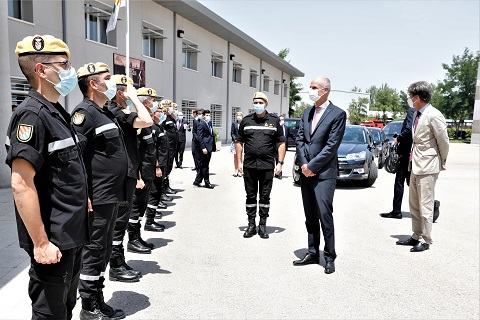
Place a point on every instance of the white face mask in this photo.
(281, 122)
(207, 118)
(239, 118)
(410, 102)
(180, 117)
(313, 95)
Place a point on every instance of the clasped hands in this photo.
(307, 172)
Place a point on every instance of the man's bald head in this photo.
(322, 82)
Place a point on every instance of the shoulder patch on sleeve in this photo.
(126, 111)
(78, 118)
(24, 132)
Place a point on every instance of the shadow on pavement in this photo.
(159, 242)
(300, 253)
(147, 267)
(167, 213)
(270, 229)
(129, 301)
(400, 236)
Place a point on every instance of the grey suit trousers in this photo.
(421, 198)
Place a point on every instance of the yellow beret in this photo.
(45, 44)
(165, 102)
(260, 95)
(92, 68)
(146, 92)
(174, 105)
(121, 79)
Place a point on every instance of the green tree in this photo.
(298, 110)
(357, 110)
(295, 87)
(455, 95)
(386, 99)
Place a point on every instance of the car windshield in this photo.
(375, 135)
(292, 124)
(354, 135)
(393, 127)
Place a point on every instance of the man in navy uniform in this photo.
(49, 182)
(106, 162)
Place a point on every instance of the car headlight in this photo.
(356, 156)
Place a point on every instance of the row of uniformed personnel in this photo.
(107, 160)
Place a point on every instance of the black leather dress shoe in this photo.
(308, 259)
(196, 184)
(330, 267)
(409, 242)
(420, 247)
(209, 186)
(158, 215)
(161, 205)
(391, 215)
(436, 210)
(169, 190)
(137, 247)
(157, 227)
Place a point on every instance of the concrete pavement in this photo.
(204, 269)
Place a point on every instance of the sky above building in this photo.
(360, 43)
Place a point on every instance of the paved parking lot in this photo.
(204, 268)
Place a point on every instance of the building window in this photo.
(20, 9)
(234, 111)
(285, 90)
(216, 115)
(96, 21)
(217, 65)
(20, 88)
(253, 78)
(276, 87)
(250, 111)
(189, 55)
(237, 72)
(266, 83)
(152, 45)
(187, 107)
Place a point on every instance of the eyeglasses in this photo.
(66, 65)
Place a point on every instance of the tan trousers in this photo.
(421, 198)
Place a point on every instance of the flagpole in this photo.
(127, 42)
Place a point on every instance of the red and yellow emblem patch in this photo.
(24, 132)
(78, 118)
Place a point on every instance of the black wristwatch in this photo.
(281, 162)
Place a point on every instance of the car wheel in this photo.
(372, 175)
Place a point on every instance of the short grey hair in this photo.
(422, 89)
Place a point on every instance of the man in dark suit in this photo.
(319, 136)
(182, 127)
(286, 134)
(206, 141)
(195, 147)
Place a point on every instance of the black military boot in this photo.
(118, 272)
(262, 228)
(165, 197)
(145, 243)
(90, 310)
(136, 272)
(134, 244)
(107, 310)
(162, 205)
(158, 214)
(166, 186)
(251, 229)
(151, 225)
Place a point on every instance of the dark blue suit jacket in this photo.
(319, 150)
(205, 136)
(405, 139)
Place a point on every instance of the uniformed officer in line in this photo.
(171, 129)
(106, 161)
(129, 122)
(259, 133)
(149, 172)
(49, 182)
(154, 200)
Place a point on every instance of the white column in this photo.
(5, 93)
(476, 112)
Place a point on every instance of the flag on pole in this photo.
(112, 23)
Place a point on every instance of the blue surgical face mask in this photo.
(129, 103)
(68, 81)
(163, 117)
(154, 107)
(239, 118)
(258, 108)
(111, 89)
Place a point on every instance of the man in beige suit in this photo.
(428, 157)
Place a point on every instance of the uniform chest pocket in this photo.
(111, 141)
(67, 167)
(268, 132)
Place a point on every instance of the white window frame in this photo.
(217, 65)
(154, 35)
(100, 16)
(24, 11)
(266, 83)
(187, 107)
(19, 88)
(253, 78)
(237, 72)
(216, 115)
(285, 90)
(234, 111)
(276, 87)
(190, 55)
